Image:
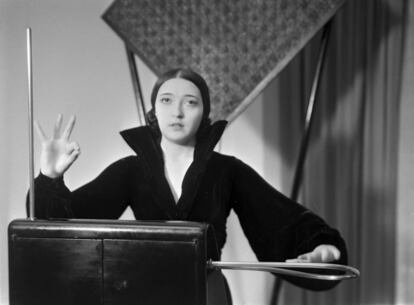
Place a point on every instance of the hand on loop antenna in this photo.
(58, 152)
(321, 254)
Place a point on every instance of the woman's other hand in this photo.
(321, 254)
(58, 152)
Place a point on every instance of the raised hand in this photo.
(58, 152)
(321, 254)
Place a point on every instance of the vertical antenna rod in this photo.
(30, 100)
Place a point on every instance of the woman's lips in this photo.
(176, 125)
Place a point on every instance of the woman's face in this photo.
(179, 110)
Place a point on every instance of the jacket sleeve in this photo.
(105, 197)
(278, 228)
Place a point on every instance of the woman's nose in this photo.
(178, 110)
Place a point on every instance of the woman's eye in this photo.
(165, 100)
(192, 102)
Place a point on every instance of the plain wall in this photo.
(80, 68)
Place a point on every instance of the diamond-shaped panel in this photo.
(238, 46)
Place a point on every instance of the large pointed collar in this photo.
(145, 142)
(146, 145)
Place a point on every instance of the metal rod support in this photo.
(310, 114)
(137, 86)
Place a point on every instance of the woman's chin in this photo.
(180, 139)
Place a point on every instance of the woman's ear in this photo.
(152, 122)
(151, 117)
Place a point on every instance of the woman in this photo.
(176, 175)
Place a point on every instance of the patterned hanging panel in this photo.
(238, 46)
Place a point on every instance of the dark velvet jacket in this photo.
(276, 227)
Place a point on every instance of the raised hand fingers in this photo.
(56, 129)
(69, 127)
(73, 146)
(40, 131)
(74, 151)
(58, 126)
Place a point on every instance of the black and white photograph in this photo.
(207, 152)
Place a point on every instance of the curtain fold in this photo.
(405, 194)
(351, 167)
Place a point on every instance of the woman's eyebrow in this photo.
(186, 95)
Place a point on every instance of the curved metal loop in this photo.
(292, 269)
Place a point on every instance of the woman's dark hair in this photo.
(196, 79)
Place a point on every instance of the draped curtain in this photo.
(351, 168)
